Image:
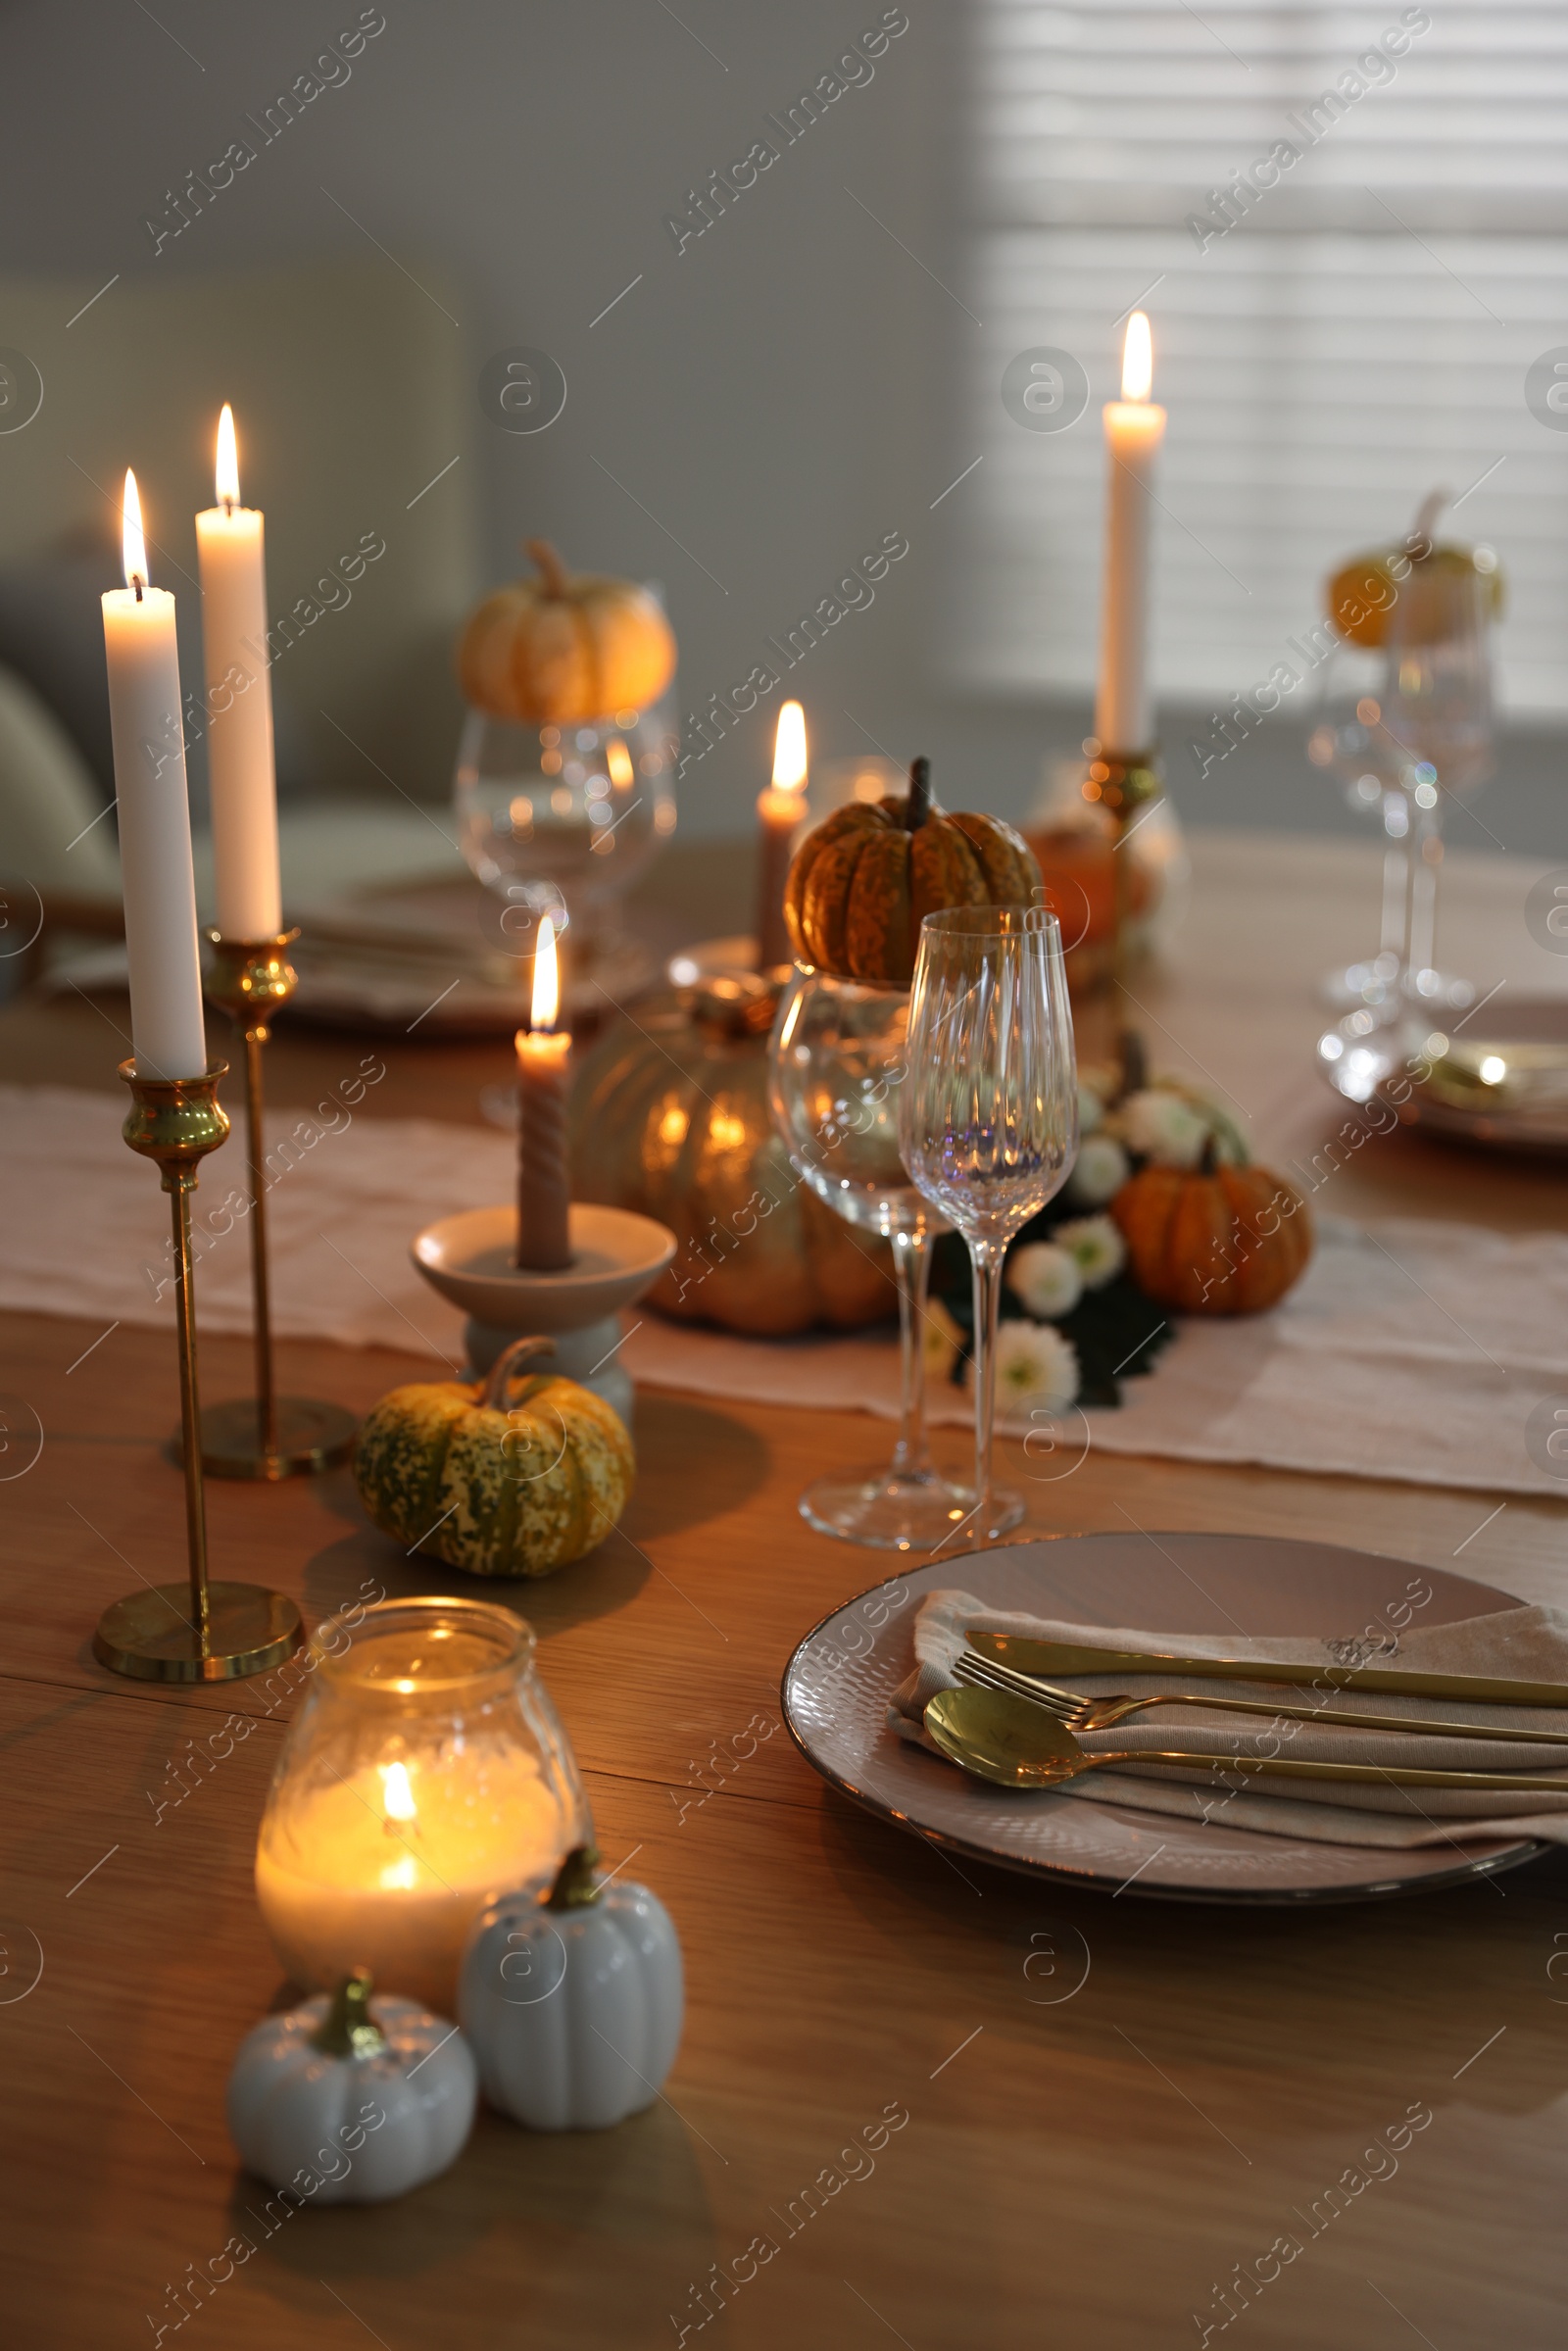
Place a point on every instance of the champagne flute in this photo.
(836, 1064)
(989, 1116)
(1405, 723)
(1433, 724)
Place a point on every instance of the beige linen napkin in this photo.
(1522, 1643)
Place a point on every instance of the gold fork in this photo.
(1081, 1714)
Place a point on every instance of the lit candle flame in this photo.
(789, 748)
(398, 1795)
(1136, 360)
(546, 1002)
(618, 759)
(133, 547)
(227, 462)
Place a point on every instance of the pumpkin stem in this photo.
(917, 807)
(1209, 1163)
(495, 1388)
(576, 1885)
(348, 2028)
(552, 571)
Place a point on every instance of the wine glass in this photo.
(1432, 726)
(1348, 739)
(560, 821)
(836, 1066)
(1426, 681)
(988, 1115)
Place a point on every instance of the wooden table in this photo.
(1082, 2170)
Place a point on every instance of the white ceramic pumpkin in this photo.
(345, 2106)
(573, 2005)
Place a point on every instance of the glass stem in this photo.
(911, 1260)
(1395, 826)
(1426, 857)
(986, 1259)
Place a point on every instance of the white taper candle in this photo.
(229, 541)
(1135, 426)
(160, 890)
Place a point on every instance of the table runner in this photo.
(1412, 1350)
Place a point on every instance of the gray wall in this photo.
(777, 396)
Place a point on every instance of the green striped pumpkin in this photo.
(517, 1476)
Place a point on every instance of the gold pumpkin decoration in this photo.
(560, 650)
(517, 1476)
(670, 1117)
(863, 882)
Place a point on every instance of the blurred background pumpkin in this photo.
(670, 1117)
(564, 649)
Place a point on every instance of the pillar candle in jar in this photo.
(1135, 426)
(389, 1869)
(544, 1178)
(239, 704)
(160, 891)
(779, 810)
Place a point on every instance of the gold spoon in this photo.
(1014, 1744)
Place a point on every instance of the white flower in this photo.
(1162, 1127)
(1097, 1248)
(1099, 1170)
(1036, 1369)
(940, 1340)
(1046, 1277)
(1091, 1109)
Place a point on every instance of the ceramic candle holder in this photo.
(616, 1256)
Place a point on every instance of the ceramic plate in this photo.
(440, 957)
(837, 1686)
(1519, 1104)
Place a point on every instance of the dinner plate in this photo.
(442, 958)
(837, 1686)
(1501, 1083)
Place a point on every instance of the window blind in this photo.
(1335, 334)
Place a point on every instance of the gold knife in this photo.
(1048, 1660)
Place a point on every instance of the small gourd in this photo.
(563, 650)
(864, 880)
(499, 1483)
(341, 2105)
(574, 2003)
(1215, 1239)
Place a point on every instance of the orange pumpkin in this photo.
(864, 880)
(1226, 1241)
(1363, 593)
(558, 651)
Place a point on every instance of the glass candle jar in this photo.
(426, 1774)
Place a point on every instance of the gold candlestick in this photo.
(1126, 784)
(210, 1631)
(267, 1436)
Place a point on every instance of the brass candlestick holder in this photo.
(267, 1436)
(1125, 784)
(210, 1631)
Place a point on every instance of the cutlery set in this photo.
(1009, 1724)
